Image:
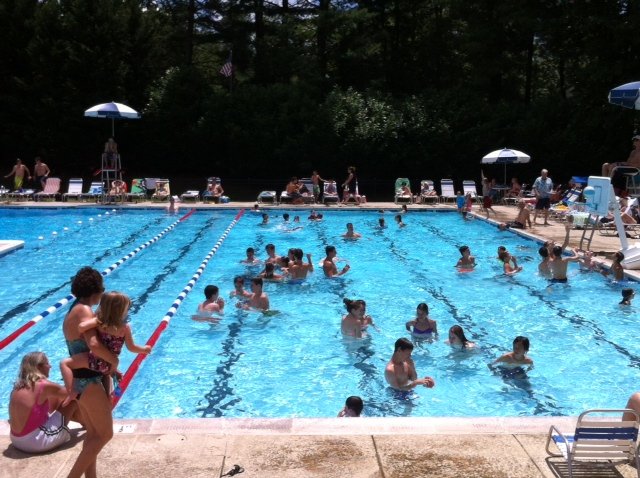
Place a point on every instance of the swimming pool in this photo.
(296, 363)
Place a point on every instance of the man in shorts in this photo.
(542, 188)
(521, 221)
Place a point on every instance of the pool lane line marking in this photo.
(164, 323)
(10, 338)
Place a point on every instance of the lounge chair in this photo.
(267, 197)
(214, 190)
(307, 191)
(138, 191)
(51, 190)
(95, 192)
(330, 192)
(163, 191)
(21, 194)
(355, 196)
(447, 191)
(600, 436)
(428, 193)
(74, 190)
(469, 186)
(191, 195)
(117, 191)
(401, 196)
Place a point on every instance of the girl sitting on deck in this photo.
(113, 331)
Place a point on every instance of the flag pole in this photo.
(232, 72)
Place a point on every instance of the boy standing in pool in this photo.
(213, 303)
(467, 261)
(519, 354)
(329, 267)
(400, 372)
(258, 299)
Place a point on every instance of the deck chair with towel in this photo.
(403, 191)
(163, 191)
(94, 193)
(428, 193)
(51, 190)
(138, 191)
(600, 438)
(330, 192)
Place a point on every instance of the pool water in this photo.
(296, 363)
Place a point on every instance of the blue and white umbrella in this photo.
(506, 156)
(112, 110)
(627, 96)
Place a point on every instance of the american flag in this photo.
(227, 68)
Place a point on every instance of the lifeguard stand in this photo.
(111, 170)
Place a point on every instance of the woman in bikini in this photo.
(422, 326)
(93, 399)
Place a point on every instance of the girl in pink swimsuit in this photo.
(113, 331)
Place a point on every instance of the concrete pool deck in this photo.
(295, 447)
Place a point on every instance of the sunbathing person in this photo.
(215, 191)
(293, 191)
(521, 221)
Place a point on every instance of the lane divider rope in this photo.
(164, 323)
(62, 302)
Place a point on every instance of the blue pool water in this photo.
(296, 363)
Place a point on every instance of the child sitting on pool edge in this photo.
(113, 331)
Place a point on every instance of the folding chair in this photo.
(598, 439)
(51, 190)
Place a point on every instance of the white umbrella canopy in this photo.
(627, 95)
(506, 156)
(112, 110)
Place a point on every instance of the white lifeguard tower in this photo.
(601, 199)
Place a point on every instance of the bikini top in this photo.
(38, 414)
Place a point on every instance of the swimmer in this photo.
(381, 223)
(257, 300)
(251, 259)
(558, 264)
(265, 219)
(296, 219)
(518, 356)
(467, 261)
(587, 262)
(514, 260)
(299, 270)
(458, 339)
(351, 234)
(212, 303)
(404, 209)
(352, 322)
(352, 407)
(285, 217)
(543, 267)
(172, 207)
(422, 325)
(400, 372)
(616, 267)
(272, 257)
(239, 291)
(269, 274)
(329, 266)
(398, 219)
(313, 216)
(627, 296)
(507, 263)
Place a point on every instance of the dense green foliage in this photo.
(418, 88)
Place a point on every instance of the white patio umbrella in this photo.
(112, 110)
(506, 156)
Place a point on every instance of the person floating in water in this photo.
(467, 261)
(400, 373)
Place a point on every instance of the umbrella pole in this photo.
(113, 135)
(505, 174)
